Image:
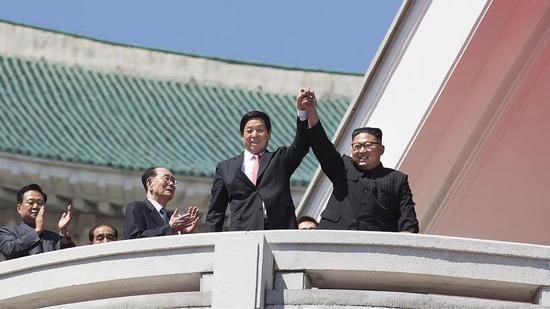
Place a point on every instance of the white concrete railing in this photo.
(276, 269)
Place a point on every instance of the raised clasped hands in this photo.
(306, 101)
(185, 223)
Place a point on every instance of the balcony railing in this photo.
(273, 269)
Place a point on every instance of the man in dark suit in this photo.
(256, 183)
(366, 195)
(30, 237)
(149, 218)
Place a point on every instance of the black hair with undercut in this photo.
(150, 172)
(31, 187)
(92, 230)
(255, 114)
(376, 132)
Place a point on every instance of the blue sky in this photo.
(336, 35)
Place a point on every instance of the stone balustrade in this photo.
(290, 269)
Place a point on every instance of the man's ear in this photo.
(383, 148)
(18, 208)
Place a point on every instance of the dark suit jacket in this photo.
(377, 200)
(231, 186)
(22, 240)
(143, 220)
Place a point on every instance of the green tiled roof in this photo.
(79, 115)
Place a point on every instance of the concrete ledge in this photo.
(237, 268)
(415, 263)
(165, 300)
(318, 298)
(115, 269)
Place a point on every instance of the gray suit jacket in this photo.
(21, 240)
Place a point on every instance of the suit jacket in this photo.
(376, 200)
(143, 220)
(232, 187)
(22, 240)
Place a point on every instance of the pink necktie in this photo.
(255, 168)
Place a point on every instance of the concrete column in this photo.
(243, 270)
(543, 296)
(207, 282)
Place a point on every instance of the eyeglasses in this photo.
(40, 203)
(366, 145)
(168, 179)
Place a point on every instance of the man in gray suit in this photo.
(30, 237)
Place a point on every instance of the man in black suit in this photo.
(30, 237)
(256, 183)
(149, 218)
(366, 195)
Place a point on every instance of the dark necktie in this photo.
(164, 215)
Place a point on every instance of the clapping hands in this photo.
(185, 223)
(66, 218)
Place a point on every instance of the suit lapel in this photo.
(154, 213)
(237, 166)
(264, 162)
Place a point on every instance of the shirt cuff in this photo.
(302, 115)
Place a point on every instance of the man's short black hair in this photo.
(150, 172)
(255, 114)
(306, 218)
(92, 230)
(376, 132)
(31, 187)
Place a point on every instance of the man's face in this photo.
(103, 234)
(30, 206)
(162, 186)
(307, 225)
(255, 135)
(366, 151)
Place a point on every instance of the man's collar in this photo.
(375, 171)
(29, 225)
(248, 155)
(156, 204)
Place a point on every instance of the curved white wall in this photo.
(270, 269)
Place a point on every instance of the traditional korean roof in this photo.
(80, 115)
